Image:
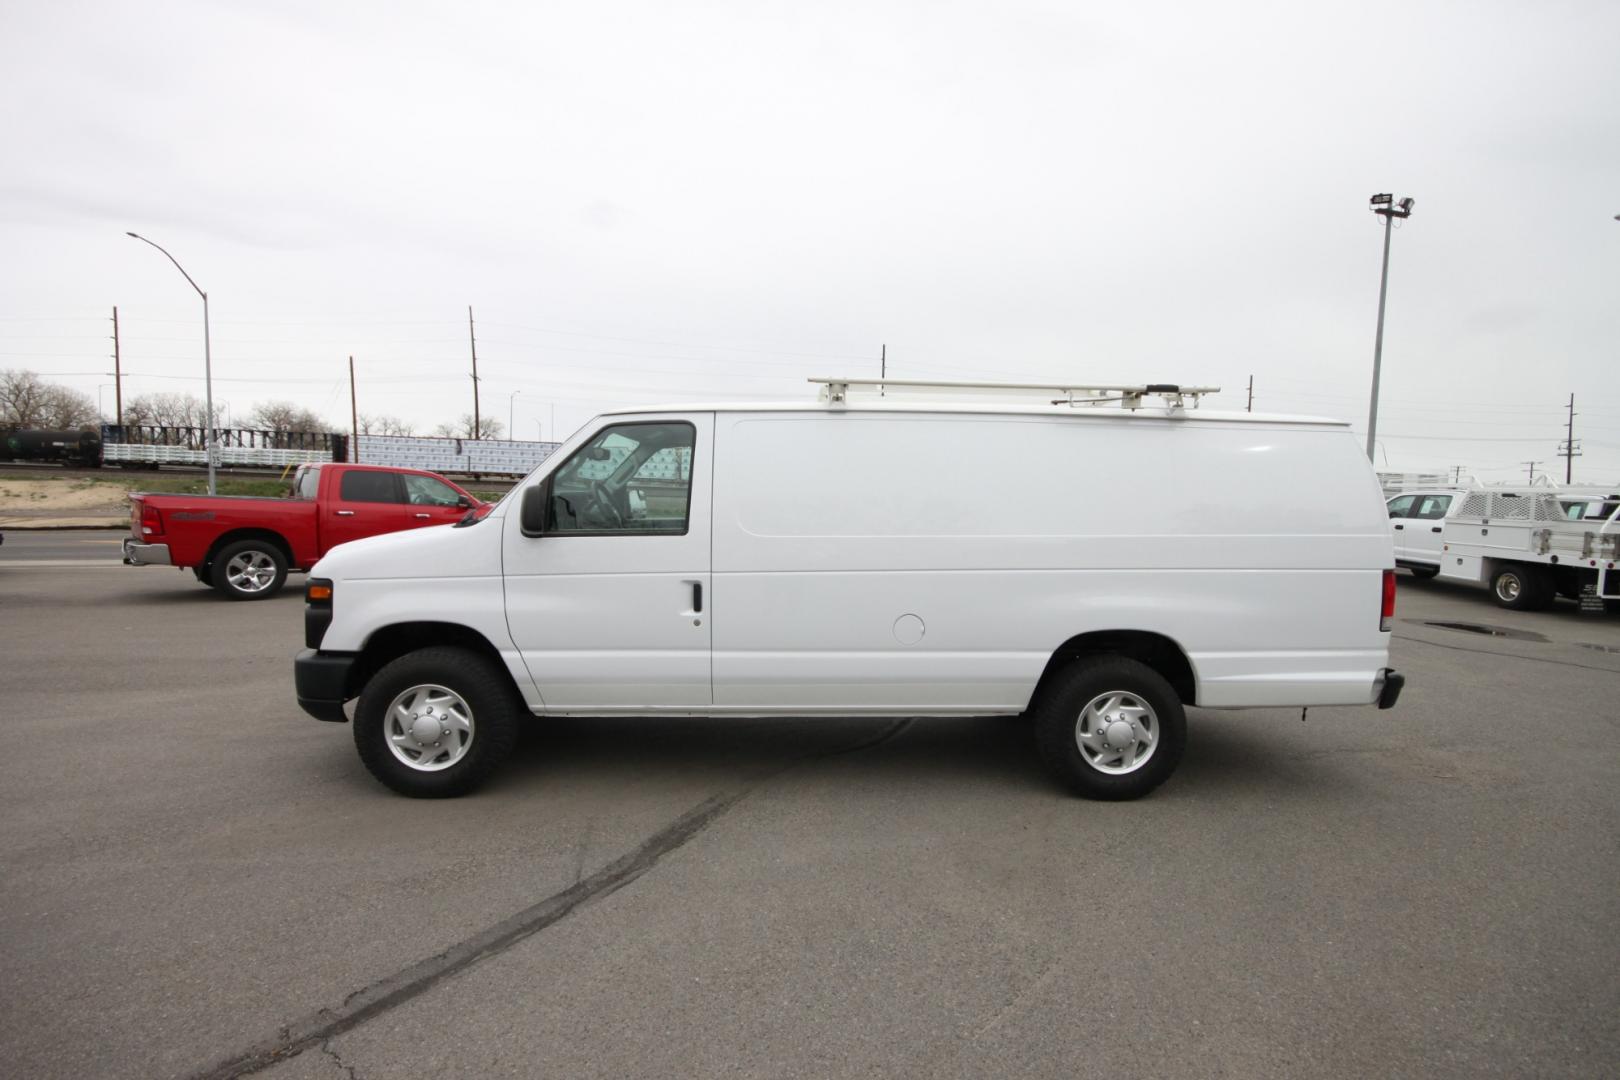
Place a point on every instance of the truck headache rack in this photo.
(837, 391)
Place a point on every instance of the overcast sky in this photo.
(654, 201)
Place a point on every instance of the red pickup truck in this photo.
(243, 546)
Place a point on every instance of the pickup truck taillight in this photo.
(151, 520)
(1387, 621)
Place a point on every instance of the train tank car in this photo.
(69, 446)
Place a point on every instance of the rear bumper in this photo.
(1394, 683)
(322, 681)
(139, 554)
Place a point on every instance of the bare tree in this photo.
(463, 428)
(284, 416)
(27, 401)
(66, 407)
(166, 410)
(384, 425)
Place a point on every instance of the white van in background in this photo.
(1102, 563)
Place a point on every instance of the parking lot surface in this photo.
(199, 880)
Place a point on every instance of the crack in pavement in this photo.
(331, 1052)
(319, 1027)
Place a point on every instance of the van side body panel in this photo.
(870, 562)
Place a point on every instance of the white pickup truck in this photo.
(1529, 544)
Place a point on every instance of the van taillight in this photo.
(151, 520)
(1387, 621)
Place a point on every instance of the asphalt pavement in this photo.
(199, 880)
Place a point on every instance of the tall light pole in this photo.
(1387, 208)
(511, 432)
(208, 358)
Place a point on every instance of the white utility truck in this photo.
(1523, 541)
(1099, 557)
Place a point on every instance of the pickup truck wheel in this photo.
(436, 723)
(1522, 588)
(1110, 728)
(249, 570)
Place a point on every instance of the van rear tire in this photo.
(437, 723)
(1423, 573)
(1110, 728)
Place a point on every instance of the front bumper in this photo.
(322, 680)
(139, 554)
(1394, 683)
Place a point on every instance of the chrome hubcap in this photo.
(1117, 732)
(250, 571)
(429, 727)
(1507, 587)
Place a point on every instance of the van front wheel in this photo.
(1110, 728)
(437, 722)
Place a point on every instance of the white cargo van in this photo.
(1101, 563)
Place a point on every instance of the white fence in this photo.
(484, 457)
(225, 455)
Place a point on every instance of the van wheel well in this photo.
(392, 642)
(265, 535)
(1158, 652)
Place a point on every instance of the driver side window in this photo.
(631, 479)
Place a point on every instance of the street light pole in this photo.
(511, 432)
(1389, 210)
(208, 359)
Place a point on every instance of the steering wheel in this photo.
(601, 501)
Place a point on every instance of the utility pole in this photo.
(883, 371)
(354, 416)
(118, 372)
(1387, 208)
(1570, 450)
(1458, 478)
(1251, 395)
(478, 429)
(1532, 465)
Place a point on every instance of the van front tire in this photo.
(436, 723)
(1110, 728)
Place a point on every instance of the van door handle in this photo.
(697, 596)
(1435, 529)
(1400, 526)
(345, 513)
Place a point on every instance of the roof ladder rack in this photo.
(837, 391)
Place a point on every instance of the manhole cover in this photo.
(1489, 631)
(1599, 648)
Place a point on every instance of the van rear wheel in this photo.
(436, 723)
(1110, 728)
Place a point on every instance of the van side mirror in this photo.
(532, 515)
